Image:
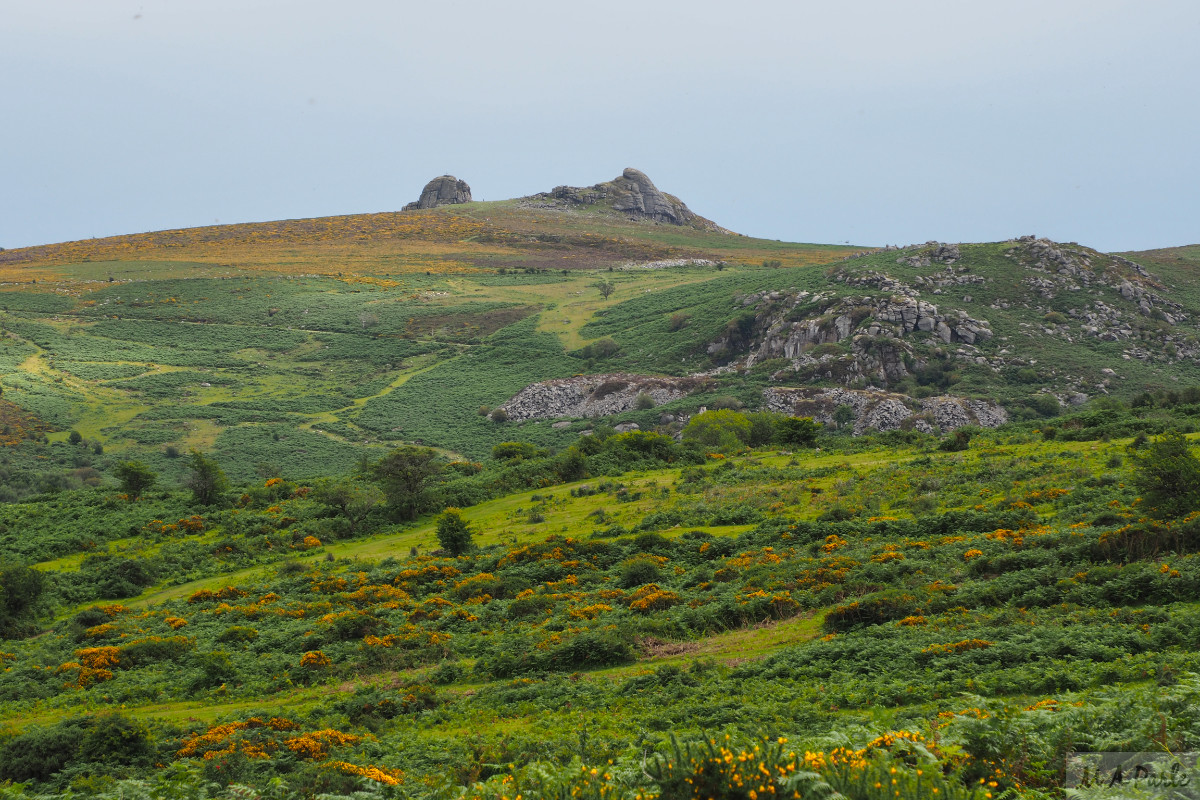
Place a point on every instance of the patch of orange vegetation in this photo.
(17, 424)
(445, 240)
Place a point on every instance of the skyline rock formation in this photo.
(444, 190)
(631, 193)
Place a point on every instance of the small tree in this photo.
(721, 430)
(762, 427)
(453, 533)
(797, 431)
(678, 321)
(601, 348)
(205, 478)
(20, 590)
(405, 476)
(351, 499)
(843, 415)
(1167, 473)
(606, 288)
(135, 478)
(515, 451)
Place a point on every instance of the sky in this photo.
(865, 121)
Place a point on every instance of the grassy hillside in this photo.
(293, 344)
(907, 613)
(999, 605)
(452, 239)
(306, 344)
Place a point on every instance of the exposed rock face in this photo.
(885, 411)
(596, 395)
(935, 253)
(1058, 269)
(633, 194)
(636, 194)
(445, 190)
(878, 328)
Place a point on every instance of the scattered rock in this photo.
(878, 329)
(596, 395)
(886, 411)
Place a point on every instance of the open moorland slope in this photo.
(581, 495)
(972, 610)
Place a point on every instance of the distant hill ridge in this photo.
(608, 224)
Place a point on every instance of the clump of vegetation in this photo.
(453, 532)
(1167, 472)
(135, 478)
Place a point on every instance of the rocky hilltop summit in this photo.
(633, 194)
(444, 190)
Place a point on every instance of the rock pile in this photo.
(596, 395)
(886, 411)
(1060, 271)
(444, 190)
(934, 253)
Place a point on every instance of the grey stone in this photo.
(596, 395)
(631, 193)
(842, 325)
(444, 190)
(874, 409)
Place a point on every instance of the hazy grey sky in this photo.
(872, 121)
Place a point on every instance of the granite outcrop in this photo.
(444, 190)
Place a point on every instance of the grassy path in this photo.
(326, 417)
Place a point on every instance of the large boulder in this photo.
(636, 194)
(445, 190)
(631, 193)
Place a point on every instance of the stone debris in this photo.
(885, 411)
(596, 395)
(668, 263)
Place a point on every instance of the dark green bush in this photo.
(638, 572)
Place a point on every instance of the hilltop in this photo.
(611, 227)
